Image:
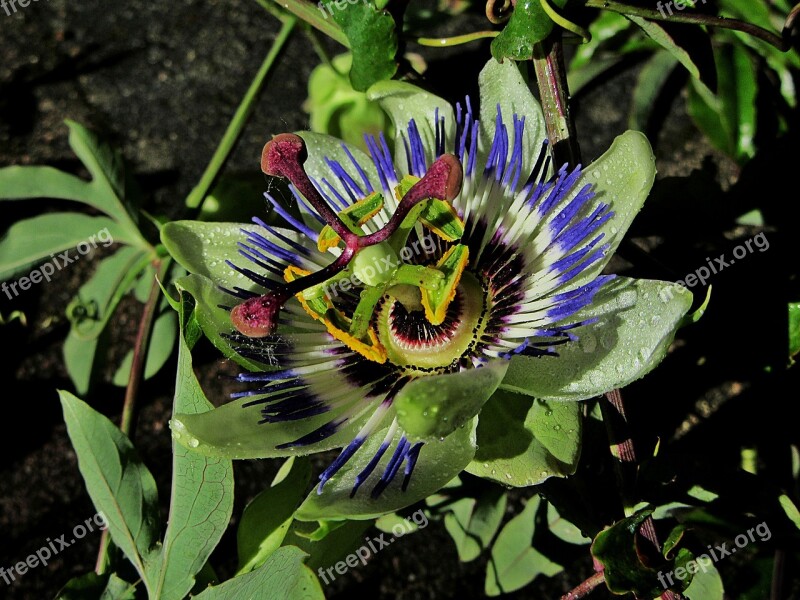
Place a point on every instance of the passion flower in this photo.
(414, 289)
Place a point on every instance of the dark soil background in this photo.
(161, 80)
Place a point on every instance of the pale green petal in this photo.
(637, 321)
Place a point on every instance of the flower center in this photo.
(413, 343)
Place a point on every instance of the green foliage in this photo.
(523, 441)
(473, 522)
(372, 37)
(266, 520)
(120, 486)
(529, 25)
(283, 574)
(337, 109)
(724, 93)
(514, 561)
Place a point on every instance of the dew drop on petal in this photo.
(588, 343)
(607, 340)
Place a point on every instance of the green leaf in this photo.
(201, 501)
(439, 462)
(79, 360)
(649, 84)
(107, 169)
(604, 28)
(434, 407)
(514, 562)
(29, 241)
(267, 518)
(729, 117)
(215, 321)
(90, 311)
(106, 192)
(22, 183)
(282, 576)
(616, 549)
(637, 320)
(790, 509)
(528, 26)
(473, 522)
(502, 84)
(98, 298)
(159, 349)
(120, 486)
(373, 42)
(103, 587)
(523, 441)
(333, 547)
(403, 102)
(336, 109)
(692, 48)
(564, 529)
(794, 329)
(706, 584)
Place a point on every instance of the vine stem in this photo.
(585, 588)
(620, 438)
(551, 78)
(781, 42)
(239, 120)
(127, 422)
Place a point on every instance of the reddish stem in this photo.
(585, 588)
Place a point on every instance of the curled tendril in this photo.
(499, 11)
(564, 22)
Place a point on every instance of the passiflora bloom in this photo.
(414, 289)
